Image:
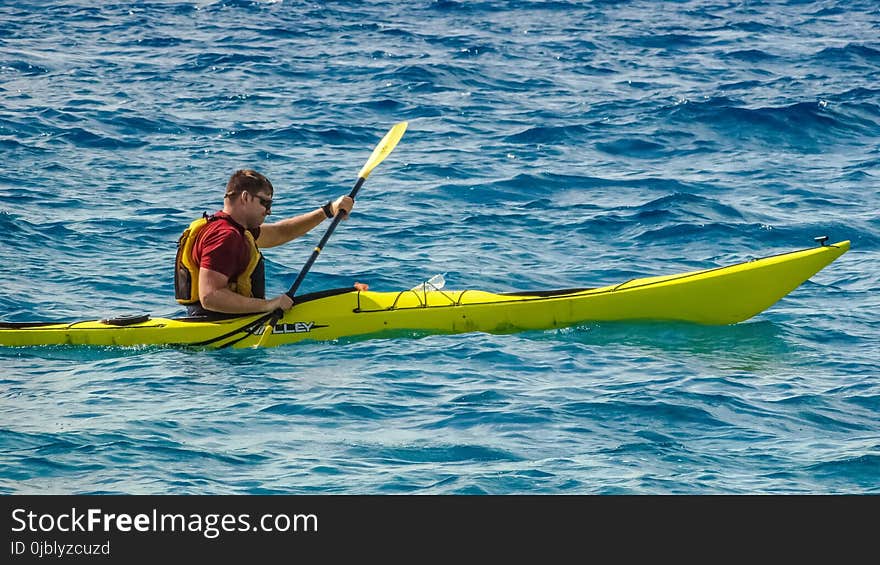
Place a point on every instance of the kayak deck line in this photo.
(36, 326)
(138, 320)
(525, 296)
(716, 296)
(842, 244)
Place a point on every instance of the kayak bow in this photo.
(719, 296)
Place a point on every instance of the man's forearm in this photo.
(290, 228)
(225, 301)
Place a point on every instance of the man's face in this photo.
(260, 206)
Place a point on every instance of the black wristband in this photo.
(328, 209)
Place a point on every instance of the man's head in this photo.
(248, 197)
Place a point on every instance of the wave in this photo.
(852, 52)
(431, 453)
(453, 6)
(855, 469)
(751, 26)
(549, 134)
(668, 41)
(801, 125)
(81, 137)
(18, 128)
(13, 145)
(533, 186)
(634, 147)
(204, 61)
(749, 55)
(22, 67)
(691, 205)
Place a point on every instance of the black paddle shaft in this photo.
(336, 219)
(386, 146)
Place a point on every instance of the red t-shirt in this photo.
(221, 246)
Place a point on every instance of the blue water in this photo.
(551, 145)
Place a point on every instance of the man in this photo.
(219, 267)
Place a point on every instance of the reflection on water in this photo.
(748, 346)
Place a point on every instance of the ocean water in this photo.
(550, 145)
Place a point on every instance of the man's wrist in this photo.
(328, 209)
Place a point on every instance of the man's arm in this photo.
(216, 296)
(291, 228)
(288, 229)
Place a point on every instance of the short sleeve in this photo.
(222, 252)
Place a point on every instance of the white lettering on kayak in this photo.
(292, 328)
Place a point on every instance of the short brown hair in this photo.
(248, 180)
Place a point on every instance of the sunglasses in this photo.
(266, 202)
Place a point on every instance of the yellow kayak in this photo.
(723, 295)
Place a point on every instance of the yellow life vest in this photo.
(251, 282)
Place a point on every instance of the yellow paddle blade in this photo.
(386, 146)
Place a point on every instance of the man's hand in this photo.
(280, 302)
(344, 204)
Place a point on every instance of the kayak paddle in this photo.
(382, 150)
